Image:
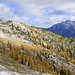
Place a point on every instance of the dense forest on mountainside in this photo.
(38, 49)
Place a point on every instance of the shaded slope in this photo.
(66, 29)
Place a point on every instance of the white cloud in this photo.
(35, 8)
(72, 18)
(36, 20)
(15, 18)
(4, 10)
(55, 19)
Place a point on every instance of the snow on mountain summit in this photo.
(65, 28)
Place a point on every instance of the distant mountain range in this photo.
(66, 28)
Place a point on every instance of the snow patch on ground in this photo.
(2, 67)
(8, 73)
(46, 74)
(4, 73)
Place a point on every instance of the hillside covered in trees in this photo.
(37, 49)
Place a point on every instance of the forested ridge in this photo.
(38, 49)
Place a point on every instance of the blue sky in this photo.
(38, 13)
